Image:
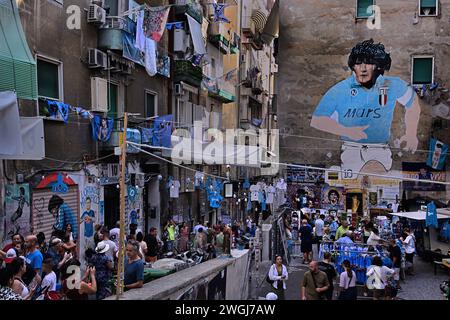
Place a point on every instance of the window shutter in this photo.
(428, 3)
(17, 65)
(362, 8)
(423, 70)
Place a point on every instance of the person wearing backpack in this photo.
(327, 267)
(378, 278)
(347, 283)
(277, 277)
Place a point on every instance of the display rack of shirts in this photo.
(254, 192)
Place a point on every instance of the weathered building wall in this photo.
(315, 42)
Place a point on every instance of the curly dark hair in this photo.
(370, 53)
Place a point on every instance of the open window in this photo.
(364, 9)
(422, 70)
(50, 84)
(151, 104)
(428, 8)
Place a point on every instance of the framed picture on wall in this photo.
(228, 190)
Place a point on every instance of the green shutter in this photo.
(422, 70)
(362, 8)
(17, 65)
(428, 3)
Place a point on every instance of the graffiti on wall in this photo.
(360, 110)
(89, 204)
(17, 210)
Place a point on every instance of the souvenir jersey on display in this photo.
(162, 131)
(270, 194)
(249, 205)
(101, 128)
(246, 184)
(281, 185)
(55, 107)
(146, 135)
(199, 176)
(254, 189)
(431, 219)
(175, 189)
(437, 154)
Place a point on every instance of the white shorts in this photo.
(355, 155)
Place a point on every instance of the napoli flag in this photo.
(431, 218)
(437, 154)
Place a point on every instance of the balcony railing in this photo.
(185, 71)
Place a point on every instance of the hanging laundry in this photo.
(197, 59)
(431, 218)
(147, 135)
(162, 131)
(101, 128)
(10, 138)
(219, 12)
(150, 57)
(437, 154)
(164, 66)
(140, 36)
(195, 29)
(57, 107)
(155, 20)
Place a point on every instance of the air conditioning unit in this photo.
(99, 94)
(96, 14)
(180, 41)
(179, 91)
(97, 59)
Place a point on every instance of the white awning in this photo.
(417, 215)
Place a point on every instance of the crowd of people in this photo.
(315, 227)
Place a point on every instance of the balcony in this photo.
(224, 92)
(188, 73)
(110, 35)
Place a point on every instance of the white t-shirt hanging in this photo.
(198, 178)
(270, 194)
(175, 189)
(281, 184)
(254, 192)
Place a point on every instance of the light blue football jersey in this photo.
(351, 104)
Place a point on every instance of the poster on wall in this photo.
(17, 210)
(420, 171)
(312, 191)
(333, 198)
(303, 175)
(90, 214)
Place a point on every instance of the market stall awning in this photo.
(416, 215)
(17, 65)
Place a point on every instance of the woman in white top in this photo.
(142, 245)
(347, 282)
(279, 275)
(378, 278)
(18, 268)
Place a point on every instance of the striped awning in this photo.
(17, 65)
(260, 19)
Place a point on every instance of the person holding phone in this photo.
(279, 275)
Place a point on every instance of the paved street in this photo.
(423, 286)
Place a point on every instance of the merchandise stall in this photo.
(430, 245)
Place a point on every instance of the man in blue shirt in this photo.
(360, 109)
(134, 267)
(33, 259)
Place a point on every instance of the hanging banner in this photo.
(420, 171)
(437, 154)
(155, 20)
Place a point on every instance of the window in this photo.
(362, 8)
(49, 79)
(428, 8)
(151, 104)
(113, 98)
(422, 70)
(112, 7)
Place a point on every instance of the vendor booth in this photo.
(431, 244)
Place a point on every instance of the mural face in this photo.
(360, 110)
(333, 198)
(17, 206)
(63, 215)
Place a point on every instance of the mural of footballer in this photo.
(360, 109)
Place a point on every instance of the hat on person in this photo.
(55, 241)
(271, 296)
(102, 247)
(10, 255)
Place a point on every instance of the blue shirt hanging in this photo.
(431, 219)
(246, 184)
(101, 128)
(219, 12)
(162, 131)
(55, 107)
(437, 154)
